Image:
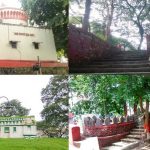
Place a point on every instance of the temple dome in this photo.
(13, 16)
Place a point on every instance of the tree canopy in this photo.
(128, 18)
(108, 93)
(55, 99)
(13, 108)
(51, 14)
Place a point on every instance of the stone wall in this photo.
(94, 126)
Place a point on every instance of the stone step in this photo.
(146, 147)
(127, 146)
(136, 133)
(118, 65)
(99, 62)
(138, 130)
(134, 136)
(109, 70)
(133, 52)
(120, 143)
(128, 55)
(123, 59)
(125, 55)
(129, 140)
(140, 127)
(111, 148)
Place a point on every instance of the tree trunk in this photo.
(105, 111)
(146, 121)
(135, 108)
(148, 43)
(125, 109)
(147, 114)
(141, 31)
(85, 24)
(141, 41)
(141, 104)
(109, 19)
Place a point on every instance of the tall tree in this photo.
(136, 11)
(52, 14)
(98, 91)
(13, 108)
(55, 99)
(119, 89)
(106, 10)
(85, 24)
(111, 94)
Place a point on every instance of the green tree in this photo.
(126, 45)
(116, 15)
(13, 108)
(85, 18)
(55, 99)
(98, 92)
(51, 14)
(137, 12)
(111, 94)
(85, 24)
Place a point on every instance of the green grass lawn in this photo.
(34, 144)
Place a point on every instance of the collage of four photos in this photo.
(75, 74)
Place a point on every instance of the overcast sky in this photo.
(11, 3)
(25, 88)
(75, 10)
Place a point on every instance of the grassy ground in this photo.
(34, 144)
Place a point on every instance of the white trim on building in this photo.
(17, 127)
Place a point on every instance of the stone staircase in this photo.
(122, 62)
(132, 140)
(146, 147)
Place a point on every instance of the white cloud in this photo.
(25, 88)
(10, 3)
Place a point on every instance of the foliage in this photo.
(98, 30)
(34, 144)
(13, 108)
(136, 11)
(96, 89)
(52, 14)
(60, 53)
(129, 18)
(127, 45)
(55, 99)
(76, 20)
(23, 70)
(108, 93)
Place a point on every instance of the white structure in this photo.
(13, 16)
(22, 44)
(17, 127)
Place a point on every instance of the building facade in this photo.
(17, 127)
(23, 45)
